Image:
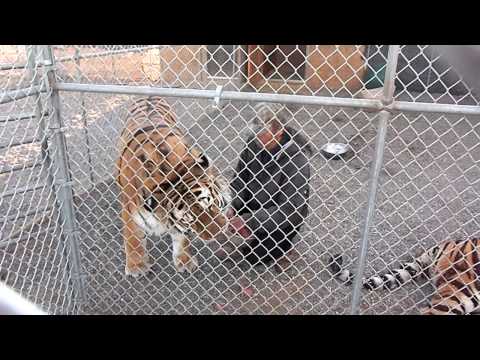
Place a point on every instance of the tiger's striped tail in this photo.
(388, 280)
(335, 265)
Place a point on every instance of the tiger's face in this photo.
(184, 188)
(203, 208)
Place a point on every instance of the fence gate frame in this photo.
(64, 191)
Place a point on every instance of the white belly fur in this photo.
(149, 223)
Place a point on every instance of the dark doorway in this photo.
(285, 62)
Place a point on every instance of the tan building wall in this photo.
(332, 67)
(327, 66)
(182, 65)
(335, 66)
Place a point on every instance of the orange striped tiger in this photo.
(166, 186)
(453, 267)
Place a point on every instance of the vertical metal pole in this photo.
(84, 115)
(241, 64)
(384, 117)
(113, 66)
(160, 59)
(33, 52)
(64, 193)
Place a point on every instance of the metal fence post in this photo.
(64, 193)
(33, 52)
(84, 114)
(384, 117)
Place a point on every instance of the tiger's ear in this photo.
(204, 161)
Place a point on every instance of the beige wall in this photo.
(182, 65)
(332, 67)
(335, 66)
(328, 66)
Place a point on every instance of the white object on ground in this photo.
(335, 149)
(11, 303)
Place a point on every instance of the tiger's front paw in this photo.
(137, 269)
(185, 262)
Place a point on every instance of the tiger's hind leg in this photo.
(182, 258)
(135, 247)
(444, 305)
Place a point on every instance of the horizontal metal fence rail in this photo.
(13, 95)
(367, 104)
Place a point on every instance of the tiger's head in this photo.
(201, 206)
(181, 188)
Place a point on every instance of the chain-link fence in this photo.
(410, 181)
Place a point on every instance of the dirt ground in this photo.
(429, 192)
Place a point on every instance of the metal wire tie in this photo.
(217, 98)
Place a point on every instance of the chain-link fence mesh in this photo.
(33, 254)
(428, 189)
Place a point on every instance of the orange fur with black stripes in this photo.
(453, 267)
(166, 186)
